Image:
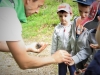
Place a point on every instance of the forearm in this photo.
(81, 55)
(4, 47)
(40, 61)
(25, 61)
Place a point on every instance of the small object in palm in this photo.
(38, 46)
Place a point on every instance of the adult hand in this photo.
(70, 63)
(33, 47)
(61, 56)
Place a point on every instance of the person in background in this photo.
(79, 43)
(12, 12)
(61, 35)
(94, 66)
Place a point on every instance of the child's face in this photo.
(64, 18)
(83, 11)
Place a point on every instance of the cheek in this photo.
(87, 14)
(60, 18)
(68, 18)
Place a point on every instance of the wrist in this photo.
(53, 59)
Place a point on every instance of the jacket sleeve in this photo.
(81, 55)
(69, 42)
(91, 39)
(84, 52)
(54, 42)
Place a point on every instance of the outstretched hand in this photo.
(33, 47)
(61, 56)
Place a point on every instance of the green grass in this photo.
(45, 20)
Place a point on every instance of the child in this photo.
(79, 38)
(94, 67)
(94, 64)
(61, 35)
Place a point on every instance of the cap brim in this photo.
(62, 10)
(81, 2)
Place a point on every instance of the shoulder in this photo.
(8, 12)
(75, 20)
(58, 26)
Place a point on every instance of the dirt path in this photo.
(8, 65)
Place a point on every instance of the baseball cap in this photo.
(86, 2)
(65, 7)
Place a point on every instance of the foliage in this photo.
(45, 20)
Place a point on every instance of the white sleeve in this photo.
(10, 26)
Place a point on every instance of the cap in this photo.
(86, 2)
(65, 7)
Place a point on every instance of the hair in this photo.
(83, 5)
(62, 11)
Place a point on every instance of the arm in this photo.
(17, 46)
(25, 61)
(84, 50)
(98, 32)
(29, 48)
(81, 55)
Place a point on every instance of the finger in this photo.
(67, 59)
(83, 70)
(43, 43)
(63, 52)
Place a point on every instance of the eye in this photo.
(80, 11)
(60, 15)
(86, 12)
(65, 15)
